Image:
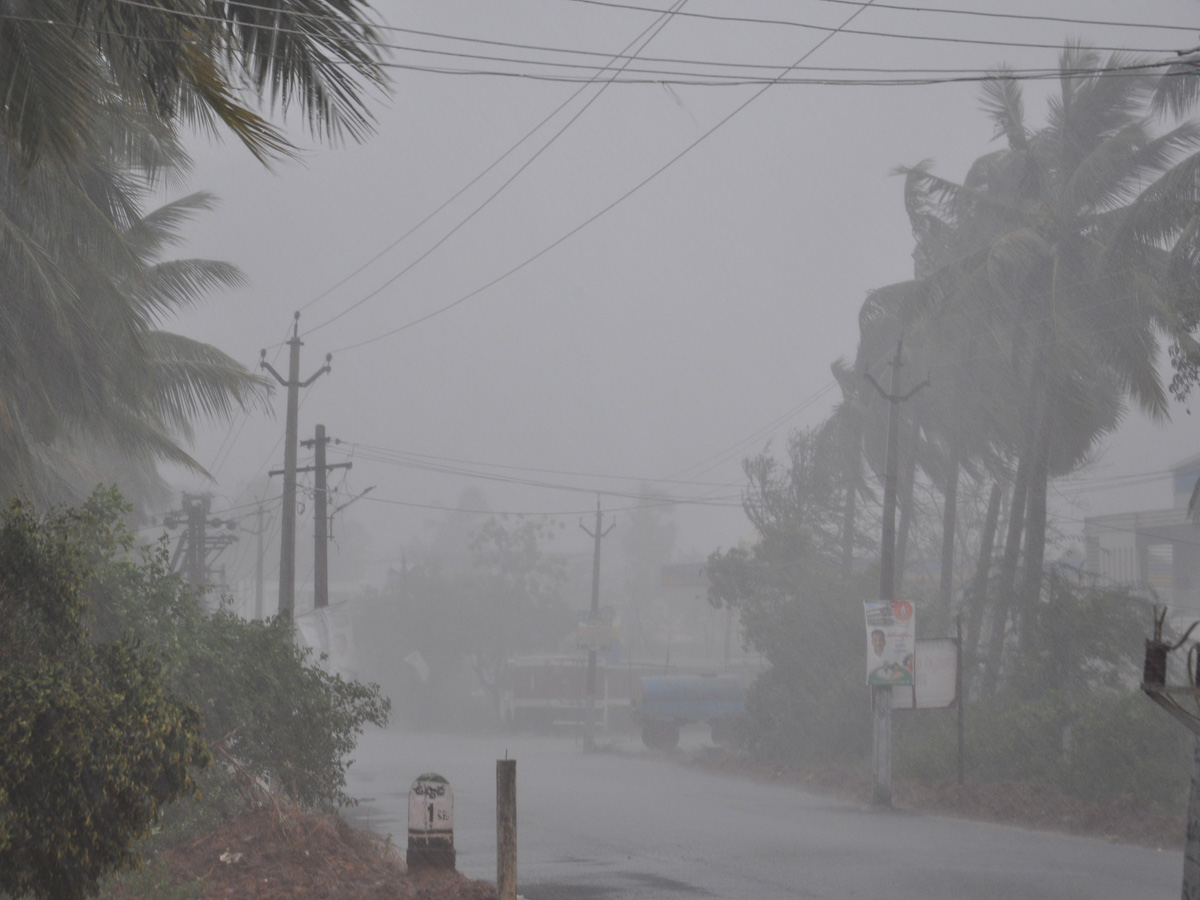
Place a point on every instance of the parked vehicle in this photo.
(662, 704)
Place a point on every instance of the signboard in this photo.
(431, 808)
(431, 823)
(891, 628)
(935, 677)
(597, 631)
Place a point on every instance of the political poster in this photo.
(891, 631)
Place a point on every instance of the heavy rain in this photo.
(767, 424)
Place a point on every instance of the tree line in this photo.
(1046, 286)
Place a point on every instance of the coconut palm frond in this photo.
(192, 380)
(1178, 89)
(1002, 101)
(152, 232)
(166, 287)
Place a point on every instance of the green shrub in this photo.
(92, 744)
(264, 702)
(1108, 747)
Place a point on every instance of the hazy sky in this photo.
(723, 240)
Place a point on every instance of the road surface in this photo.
(630, 823)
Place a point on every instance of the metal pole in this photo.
(506, 829)
(320, 528)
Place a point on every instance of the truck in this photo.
(662, 704)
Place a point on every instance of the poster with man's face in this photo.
(891, 634)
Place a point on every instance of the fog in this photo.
(655, 297)
(539, 294)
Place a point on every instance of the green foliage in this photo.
(283, 718)
(149, 882)
(799, 609)
(1082, 637)
(264, 701)
(1110, 746)
(92, 743)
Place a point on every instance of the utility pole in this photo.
(287, 540)
(191, 556)
(259, 552)
(320, 527)
(321, 518)
(589, 735)
(881, 695)
(196, 509)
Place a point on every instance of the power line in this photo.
(447, 307)
(405, 456)
(663, 77)
(488, 169)
(826, 29)
(911, 9)
(649, 35)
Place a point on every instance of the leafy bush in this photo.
(1106, 747)
(265, 703)
(269, 707)
(92, 744)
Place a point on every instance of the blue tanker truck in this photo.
(663, 703)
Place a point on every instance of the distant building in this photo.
(1158, 550)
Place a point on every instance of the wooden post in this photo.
(506, 829)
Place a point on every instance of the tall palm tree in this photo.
(1075, 270)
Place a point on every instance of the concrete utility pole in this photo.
(589, 734)
(881, 695)
(320, 515)
(196, 509)
(287, 539)
(258, 564)
(321, 518)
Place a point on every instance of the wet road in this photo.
(635, 824)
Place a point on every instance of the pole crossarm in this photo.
(302, 469)
(888, 397)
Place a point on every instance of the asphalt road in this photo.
(630, 823)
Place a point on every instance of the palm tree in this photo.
(67, 65)
(1073, 270)
(85, 368)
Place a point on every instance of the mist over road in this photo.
(634, 824)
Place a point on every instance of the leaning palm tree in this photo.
(1074, 270)
(85, 367)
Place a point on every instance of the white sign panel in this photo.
(891, 629)
(936, 677)
(430, 808)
